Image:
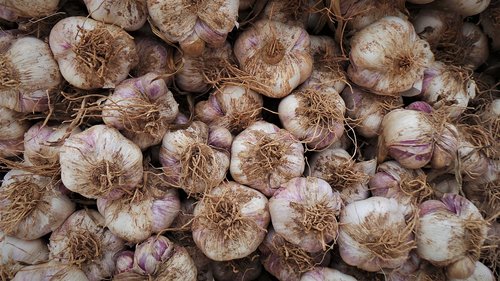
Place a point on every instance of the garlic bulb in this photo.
(304, 210)
(91, 54)
(230, 106)
(450, 234)
(314, 115)
(43, 142)
(264, 156)
(12, 129)
(28, 74)
(324, 274)
(307, 14)
(481, 273)
(342, 173)
(388, 58)
(142, 108)
(149, 209)
(360, 14)
(124, 262)
(375, 234)
(230, 222)
(194, 24)
(53, 271)
(196, 159)
(83, 241)
(437, 26)
(129, 15)
(98, 161)
(473, 162)
(12, 10)
(245, 269)
(490, 23)
(366, 110)
(463, 7)
(155, 57)
(276, 54)
(31, 205)
(16, 253)
(475, 45)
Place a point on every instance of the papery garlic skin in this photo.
(99, 160)
(14, 250)
(76, 241)
(481, 273)
(129, 14)
(12, 10)
(182, 149)
(53, 271)
(31, 206)
(28, 75)
(230, 223)
(375, 219)
(12, 129)
(473, 163)
(265, 169)
(194, 24)
(388, 58)
(304, 211)
(124, 262)
(142, 108)
(276, 54)
(115, 51)
(154, 56)
(324, 274)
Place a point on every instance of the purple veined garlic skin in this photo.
(51, 270)
(128, 14)
(12, 129)
(124, 262)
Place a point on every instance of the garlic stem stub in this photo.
(92, 54)
(230, 222)
(100, 161)
(277, 55)
(264, 156)
(128, 14)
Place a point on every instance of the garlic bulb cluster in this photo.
(28, 74)
(14, 10)
(12, 129)
(129, 14)
(98, 161)
(92, 54)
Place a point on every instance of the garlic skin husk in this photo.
(73, 39)
(366, 110)
(43, 142)
(314, 115)
(450, 234)
(245, 269)
(481, 273)
(324, 274)
(28, 75)
(337, 167)
(449, 88)
(160, 257)
(463, 7)
(182, 150)
(14, 10)
(83, 240)
(98, 161)
(129, 14)
(489, 23)
(408, 137)
(304, 211)
(154, 56)
(31, 205)
(230, 222)
(142, 108)
(264, 156)
(194, 24)
(380, 220)
(53, 271)
(277, 55)
(12, 129)
(14, 250)
(232, 107)
(388, 58)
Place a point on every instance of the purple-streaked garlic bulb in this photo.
(154, 56)
(342, 173)
(98, 161)
(142, 108)
(304, 212)
(28, 74)
(161, 258)
(128, 14)
(245, 269)
(15, 10)
(196, 159)
(16, 254)
(314, 115)
(230, 106)
(277, 55)
(324, 274)
(42, 142)
(92, 54)
(12, 129)
(230, 222)
(366, 110)
(148, 209)
(264, 156)
(374, 234)
(450, 234)
(124, 262)
(389, 58)
(53, 271)
(84, 241)
(194, 24)
(31, 206)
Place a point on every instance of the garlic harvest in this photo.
(129, 14)
(12, 129)
(230, 222)
(91, 54)
(98, 161)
